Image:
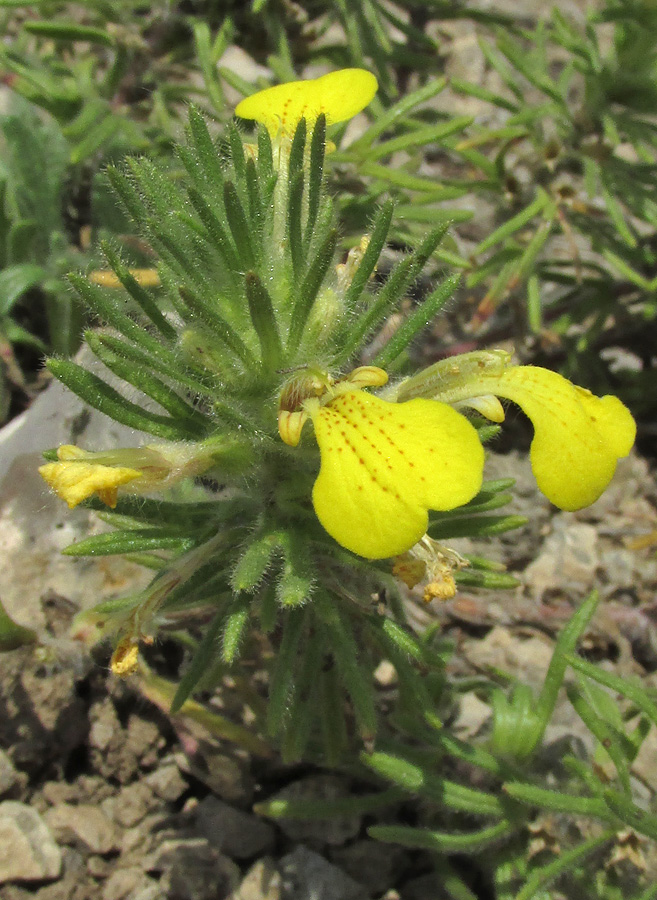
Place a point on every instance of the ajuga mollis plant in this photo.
(307, 482)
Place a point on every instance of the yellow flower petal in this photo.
(384, 465)
(76, 480)
(339, 95)
(578, 437)
(107, 278)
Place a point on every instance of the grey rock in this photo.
(35, 525)
(27, 849)
(425, 887)
(123, 883)
(133, 802)
(306, 875)
(167, 783)
(82, 825)
(193, 870)
(334, 832)
(568, 559)
(224, 775)
(238, 834)
(150, 890)
(43, 719)
(370, 863)
(262, 882)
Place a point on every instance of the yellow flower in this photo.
(383, 465)
(75, 479)
(339, 95)
(107, 278)
(578, 437)
(78, 474)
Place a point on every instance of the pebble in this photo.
(262, 882)
(132, 803)
(568, 559)
(333, 832)
(220, 773)
(28, 851)
(306, 875)
(122, 883)
(370, 863)
(82, 825)
(238, 834)
(193, 870)
(167, 783)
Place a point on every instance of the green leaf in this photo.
(416, 322)
(255, 561)
(201, 661)
(283, 676)
(513, 224)
(418, 137)
(235, 622)
(398, 112)
(101, 396)
(17, 280)
(12, 635)
(148, 384)
(139, 294)
(138, 541)
(306, 294)
(264, 321)
(441, 842)
(475, 526)
(70, 31)
(371, 255)
(391, 294)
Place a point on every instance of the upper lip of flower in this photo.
(338, 96)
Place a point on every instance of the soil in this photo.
(142, 806)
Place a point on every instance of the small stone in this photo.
(143, 739)
(568, 559)
(385, 674)
(27, 849)
(370, 863)
(193, 870)
(221, 773)
(238, 834)
(141, 837)
(150, 890)
(122, 883)
(56, 792)
(262, 882)
(167, 783)
(307, 874)
(473, 715)
(133, 802)
(82, 826)
(334, 832)
(104, 724)
(425, 887)
(527, 658)
(10, 779)
(98, 867)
